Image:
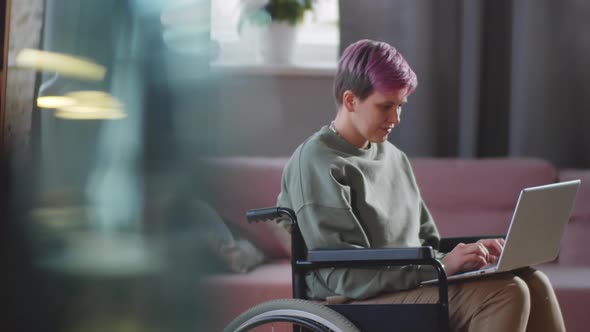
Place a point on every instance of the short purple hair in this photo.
(368, 65)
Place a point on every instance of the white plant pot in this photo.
(277, 42)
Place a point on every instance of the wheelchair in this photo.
(304, 315)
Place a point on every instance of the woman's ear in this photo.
(349, 101)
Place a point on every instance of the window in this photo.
(316, 45)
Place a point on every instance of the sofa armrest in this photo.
(448, 243)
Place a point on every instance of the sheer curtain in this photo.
(496, 78)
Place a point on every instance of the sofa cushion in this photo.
(237, 254)
(237, 184)
(463, 195)
(472, 223)
(575, 244)
(582, 206)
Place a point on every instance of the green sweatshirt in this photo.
(346, 197)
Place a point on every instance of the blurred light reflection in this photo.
(55, 101)
(64, 64)
(88, 113)
(84, 105)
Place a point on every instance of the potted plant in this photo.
(277, 21)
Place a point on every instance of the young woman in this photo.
(351, 188)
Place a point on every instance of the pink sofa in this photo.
(466, 197)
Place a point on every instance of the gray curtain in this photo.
(496, 78)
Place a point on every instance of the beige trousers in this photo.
(522, 300)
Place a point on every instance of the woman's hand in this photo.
(473, 256)
(494, 247)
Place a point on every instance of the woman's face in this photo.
(375, 117)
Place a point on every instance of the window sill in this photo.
(307, 60)
(319, 69)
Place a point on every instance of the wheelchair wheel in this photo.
(283, 315)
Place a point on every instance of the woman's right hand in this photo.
(468, 257)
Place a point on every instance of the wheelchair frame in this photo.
(374, 318)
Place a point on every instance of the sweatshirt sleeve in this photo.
(338, 228)
(428, 233)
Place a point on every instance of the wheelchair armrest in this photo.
(371, 257)
(448, 243)
(355, 258)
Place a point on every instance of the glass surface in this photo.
(105, 224)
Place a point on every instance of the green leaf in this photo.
(290, 11)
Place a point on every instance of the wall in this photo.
(270, 115)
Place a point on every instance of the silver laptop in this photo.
(536, 229)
